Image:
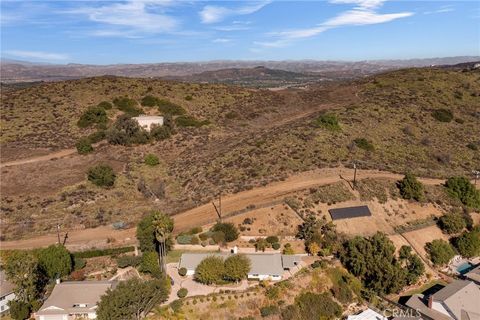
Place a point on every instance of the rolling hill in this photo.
(421, 120)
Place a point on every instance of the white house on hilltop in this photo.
(74, 300)
(146, 122)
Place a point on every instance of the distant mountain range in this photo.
(217, 71)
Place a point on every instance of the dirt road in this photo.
(54, 155)
(205, 214)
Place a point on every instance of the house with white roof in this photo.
(148, 122)
(368, 314)
(6, 292)
(73, 300)
(263, 266)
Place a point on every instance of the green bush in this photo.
(185, 239)
(468, 244)
(195, 231)
(128, 106)
(182, 293)
(410, 187)
(105, 105)
(84, 146)
(364, 144)
(128, 261)
(236, 267)
(440, 251)
(149, 264)
(210, 270)
(272, 239)
(19, 310)
(328, 121)
(149, 101)
(342, 293)
(462, 189)
(126, 131)
(228, 229)
(55, 261)
(182, 271)
(78, 263)
(188, 98)
(97, 136)
(443, 115)
(472, 146)
(309, 305)
(101, 175)
(102, 252)
(151, 160)
(452, 223)
(167, 107)
(176, 305)
(93, 115)
(189, 121)
(276, 246)
(269, 310)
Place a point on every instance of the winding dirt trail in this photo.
(205, 214)
(54, 155)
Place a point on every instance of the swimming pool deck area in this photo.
(460, 266)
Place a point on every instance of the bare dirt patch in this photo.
(419, 238)
(278, 220)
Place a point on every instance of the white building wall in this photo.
(438, 306)
(4, 302)
(264, 277)
(147, 123)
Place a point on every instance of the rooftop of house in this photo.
(144, 117)
(474, 274)
(75, 297)
(260, 263)
(460, 295)
(461, 298)
(6, 287)
(368, 314)
(419, 303)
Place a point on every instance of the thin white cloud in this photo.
(213, 14)
(442, 9)
(40, 55)
(365, 12)
(133, 18)
(222, 40)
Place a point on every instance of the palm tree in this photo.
(163, 227)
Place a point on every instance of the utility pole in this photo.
(220, 202)
(58, 233)
(354, 174)
(476, 174)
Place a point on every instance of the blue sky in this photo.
(142, 31)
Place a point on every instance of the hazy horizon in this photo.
(167, 31)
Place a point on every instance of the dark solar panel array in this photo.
(350, 212)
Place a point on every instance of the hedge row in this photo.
(101, 253)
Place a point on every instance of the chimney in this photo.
(57, 281)
(235, 250)
(430, 302)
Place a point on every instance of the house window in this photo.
(255, 275)
(80, 305)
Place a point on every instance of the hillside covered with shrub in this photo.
(426, 121)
